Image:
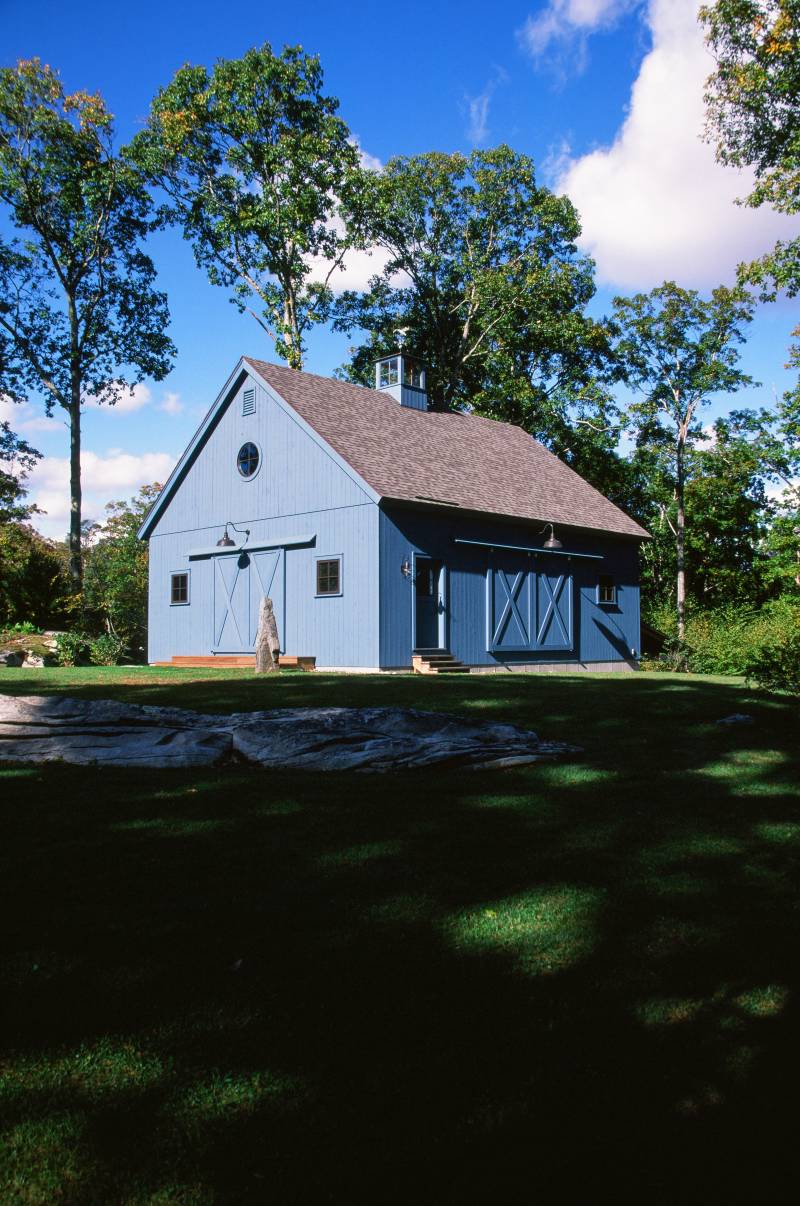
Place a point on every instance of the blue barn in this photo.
(387, 535)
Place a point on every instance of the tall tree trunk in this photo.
(75, 552)
(680, 539)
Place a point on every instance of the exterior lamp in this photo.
(405, 568)
(552, 542)
(225, 541)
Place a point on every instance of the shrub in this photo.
(727, 640)
(25, 628)
(777, 666)
(72, 648)
(107, 650)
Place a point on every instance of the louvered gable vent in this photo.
(249, 402)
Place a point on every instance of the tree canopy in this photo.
(17, 458)
(678, 350)
(753, 109)
(80, 316)
(484, 277)
(264, 179)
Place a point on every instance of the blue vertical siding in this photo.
(299, 489)
(582, 631)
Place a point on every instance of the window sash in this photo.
(329, 576)
(179, 589)
(606, 589)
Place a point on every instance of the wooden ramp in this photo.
(224, 661)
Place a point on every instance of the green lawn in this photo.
(561, 983)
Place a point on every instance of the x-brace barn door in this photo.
(553, 610)
(528, 606)
(509, 606)
(241, 580)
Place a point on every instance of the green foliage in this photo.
(23, 628)
(776, 666)
(34, 586)
(115, 580)
(753, 97)
(263, 177)
(79, 313)
(492, 296)
(72, 648)
(728, 640)
(677, 350)
(753, 109)
(17, 458)
(106, 650)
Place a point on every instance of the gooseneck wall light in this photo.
(225, 541)
(552, 541)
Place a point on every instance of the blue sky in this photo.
(606, 95)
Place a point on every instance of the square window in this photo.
(606, 589)
(329, 576)
(389, 372)
(179, 588)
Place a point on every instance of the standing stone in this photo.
(268, 643)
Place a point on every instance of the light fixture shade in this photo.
(552, 541)
(225, 541)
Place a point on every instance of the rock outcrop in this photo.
(52, 728)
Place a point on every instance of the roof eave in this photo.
(424, 504)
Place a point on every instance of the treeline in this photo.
(477, 264)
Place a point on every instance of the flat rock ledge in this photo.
(44, 728)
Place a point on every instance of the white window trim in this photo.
(188, 575)
(608, 602)
(329, 594)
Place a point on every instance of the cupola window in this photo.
(389, 371)
(413, 373)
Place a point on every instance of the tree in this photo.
(79, 314)
(484, 276)
(727, 512)
(264, 179)
(17, 458)
(753, 108)
(33, 585)
(678, 350)
(116, 570)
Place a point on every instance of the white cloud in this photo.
(655, 205)
(24, 419)
(171, 404)
(130, 400)
(116, 475)
(478, 110)
(562, 26)
(370, 163)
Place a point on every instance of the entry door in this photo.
(427, 602)
(241, 580)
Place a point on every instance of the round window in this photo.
(247, 460)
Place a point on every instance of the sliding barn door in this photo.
(241, 580)
(528, 605)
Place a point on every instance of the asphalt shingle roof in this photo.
(459, 459)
